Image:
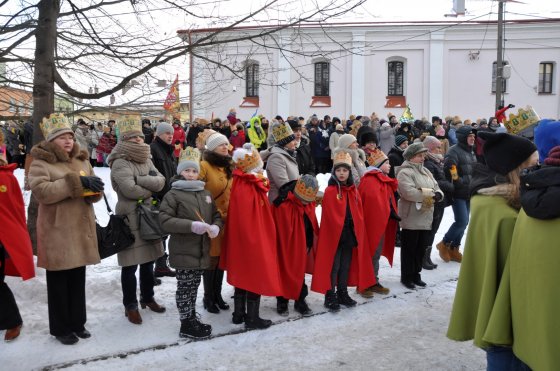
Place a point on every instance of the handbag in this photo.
(148, 221)
(114, 237)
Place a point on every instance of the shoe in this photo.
(444, 251)
(455, 255)
(282, 306)
(157, 281)
(83, 334)
(409, 285)
(12, 333)
(194, 329)
(419, 282)
(133, 316)
(155, 307)
(331, 301)
(367, 293)
(252, 319)
(302, 308)
(162, 268)
(379, 289)
(69, 339)
(345, 299)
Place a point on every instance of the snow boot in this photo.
(252, 319)
(444, 251)
(331, 301)
(345, 299)
(282, 306)
(239, 300)
(379, 289)
(429, 257)
(418, 281)
(208, 283)
(194, 329)
(455, 255)
(162, 268)
(425, 260)
(300, 305)
(218, 279)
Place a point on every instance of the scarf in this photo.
(188, 185)
(131, 151)
(437, 158)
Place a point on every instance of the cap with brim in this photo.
(414, 149)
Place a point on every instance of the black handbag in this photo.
(116, 236)
(148, 221)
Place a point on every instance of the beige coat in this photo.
(417, 187)
(66, 234)
(131, 182)
(281, 168)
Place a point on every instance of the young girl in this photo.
(342, 255)
(190, 215)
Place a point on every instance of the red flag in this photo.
(172, 102)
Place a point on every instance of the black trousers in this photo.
(128, 282)
(413, 246)
(439, 209)
(341, 268)
(9, 312)
(66, 291)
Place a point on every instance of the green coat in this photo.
(484, 260)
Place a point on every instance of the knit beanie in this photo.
(339, 127)
(547, 136)
(400, 139)
(214, 140)
(553, 158)
(505, 152)
(346, 140)
(306, 188)
(189, 158)
(282, 133)
(164, 127)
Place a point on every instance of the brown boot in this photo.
(155, 307)
(12, 333)
(455, 255)
(444, 252)
(133, 316)
(367, 293)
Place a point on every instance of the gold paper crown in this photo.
(376, 157)
(524, 118)
(249, 161)
(342, 157)
(281, 131)
(127, 124)
(54, 122)
(189, 154)
(306, 192)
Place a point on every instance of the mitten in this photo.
(152, 173)
(92, 183)
(199, 227)
(213, 231)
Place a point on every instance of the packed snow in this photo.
(404, 330)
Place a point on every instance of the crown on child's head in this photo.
(524, 118)
(247, 158)
(128, 124)
(306, 188)
(376, 158)
(190, 154)
(342, 157)
(54, 123)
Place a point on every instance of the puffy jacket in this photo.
(462, 156)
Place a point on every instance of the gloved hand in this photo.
(152, 173)
(92, 183)
(213, 231)
(511, 105)
(199, 227)
(438, 197)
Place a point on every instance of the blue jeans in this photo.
(461, 210)
(502, 359)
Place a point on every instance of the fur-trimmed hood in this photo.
(52, 153)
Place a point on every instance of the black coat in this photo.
(305, 162)
(164, 161)
(444, 184)
(540, 192)
(148, 134)
(463, 157)
(396, 158)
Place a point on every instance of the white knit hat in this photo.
(346, 140)
(214, 140)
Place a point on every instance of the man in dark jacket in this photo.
(458, 164)
(147, 131)
(163, 159)
(319, 135)
(303, 151)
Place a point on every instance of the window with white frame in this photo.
(252, 80)
(546, 69)
(322, 76)
(395, 78)
(494, 77)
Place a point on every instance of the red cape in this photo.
(376, 191)
(249, 253)
(292, 246)
(332, 221)
(14, 235)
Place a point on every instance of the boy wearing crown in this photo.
(343, 258)
(188, 213)
(296, 230)
(377, 191)
(249, 251)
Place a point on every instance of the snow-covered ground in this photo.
(401, 331)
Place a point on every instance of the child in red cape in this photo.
(343, 258)
(16, 254)
(249, 253)
(377, 191)
(296, 230)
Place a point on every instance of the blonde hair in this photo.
(514, 196)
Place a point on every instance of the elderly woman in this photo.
(216, 171)
(134, 177)
(418, 192)
(64, 185)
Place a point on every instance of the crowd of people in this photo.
(208, 176)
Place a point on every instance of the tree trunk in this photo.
(43, 86)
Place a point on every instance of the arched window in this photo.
(252, 79)
(322, 74)
(395, 78)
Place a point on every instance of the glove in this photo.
(199, 227)
(213, 231)
(92, 183)
(511, 105)
(438, 197)
(152, 173)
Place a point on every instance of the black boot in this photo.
(218, 278)
(208, 301)
(345, 299)
(252, 319)
(239, 300)
(282, 306)
(194, 329)
(300, 305)
(162, 268)
(418, 281)
(429, 257)
(331, 301)
(425, 260)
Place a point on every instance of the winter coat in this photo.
(540, 192)
(396, 159)
(281, 168)
(179, 140)
(319, 137)
(193, 134)
(13, 141)
(386, 136)
(237, 140)
(66, 233)
(178, 210)
(415, 208)
(436, 168)
(257, 135)
(131, 182)
(148, 134)
(164, 161)
(305, 162)
(106, 143)
(463, 157)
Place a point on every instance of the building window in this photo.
(545, 77)
(322, 79)
(252, 80)
(12, 105)
(395, 78)
(494, 75)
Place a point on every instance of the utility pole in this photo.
(499, 59)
